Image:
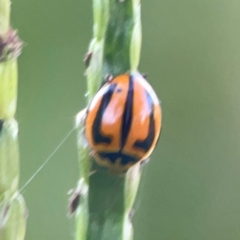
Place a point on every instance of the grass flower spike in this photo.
(12, 205)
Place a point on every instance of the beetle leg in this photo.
(92, 172)
(144, 75)
(87, 59)
(144, 161)
(108, 78)
(81, 116)
(92, 154)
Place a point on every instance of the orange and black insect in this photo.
(123, 122)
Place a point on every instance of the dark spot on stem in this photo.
(1, 125)
(4, 213)
(87, 59)
(73, 202)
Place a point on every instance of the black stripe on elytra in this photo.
(113, 157)
(146, 144)
(96, 128)
(127, 114)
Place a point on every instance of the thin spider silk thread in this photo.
(46, 161)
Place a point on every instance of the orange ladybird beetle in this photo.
(123, 122)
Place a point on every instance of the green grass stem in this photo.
(106, 200)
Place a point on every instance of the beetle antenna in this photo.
(108, 78)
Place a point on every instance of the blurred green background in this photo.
(191, 52)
